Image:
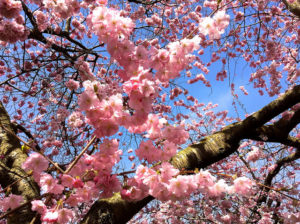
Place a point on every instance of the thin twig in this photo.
(78, 157)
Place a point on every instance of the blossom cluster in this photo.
(10, 8)
(214, 27)
(171, 61)
(42, 19)
(164, 182)
(12, 31)
(170, 137)
(108, 24)
(103, 111)
(254, 154)
(62, 8)
(88, 179)
(11, 202)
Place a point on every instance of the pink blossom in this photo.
(204, 179)
(221, 20)
(147, 151)
(65, 216)
(179, 186)
(50, 185)
(266, 219)
(108, 184)
(77, 183)
(175, 134)
(87, 100)
(72, 84)
(50, 216)
(39, 206)
(35, 162)
(76, 119)
(215, 26)
(154, 126)
(132, 194)
(84, 69)
(272, 168)
(10, 8)
(106, 127)
(42, 20)
(226, 219)
(170, 149)
(218, 188)
(109, 24)
(12, 31)
(255, 154)
(11, 202)
(62, 8)
(242, 185)
(206, 25)
(168, 171)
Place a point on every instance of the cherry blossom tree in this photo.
(98, 118)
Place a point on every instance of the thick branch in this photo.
(293, 7)
(273, 109)
(11, 171)
(211, 149)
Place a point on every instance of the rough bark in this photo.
(11, 171)
(209, 150)
(293, 7)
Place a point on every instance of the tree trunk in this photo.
(12, 172)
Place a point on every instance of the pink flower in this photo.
(72, 84)
(215, 26)
(206, 25)
(204, 179)
(242, 185)
(77, 183)
(255, 154)
(131, 85)
(170, 150)
(168, 171)
(272, 168)
(67, 180)
(42, 19)
(148, 152)
(87, 100)
(11, 202)
(76, 119)
(106, 127)
(108, 24)
(35, 162)
(10, 8)
(218, 188)
(266, 219)
(49, 185)
(65, 216)
(39, 206)
(50, 216)
(12, 31)
(221, 20)
(179, 186)
(108, 183)
(175, 134)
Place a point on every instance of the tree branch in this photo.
(209, 150)
(293, 7)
